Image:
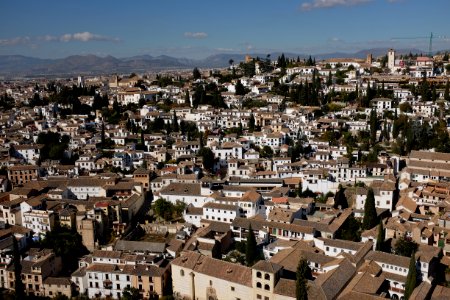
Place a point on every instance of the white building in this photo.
(39, 221)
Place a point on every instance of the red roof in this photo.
(101, 204)
(282, 200)
(424, 58)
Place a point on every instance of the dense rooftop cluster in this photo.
(271, 179)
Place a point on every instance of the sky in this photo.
(198, 28)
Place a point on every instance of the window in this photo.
(258, 297)
(267, 287)
(210, 282)
(267, 276)
(232, 288)
(258, 274)
(258, 285)
(182, 272)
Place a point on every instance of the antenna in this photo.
(430, 37)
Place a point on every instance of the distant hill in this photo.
(18, 65)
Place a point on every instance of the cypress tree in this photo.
(18, 284)
(411, 279)
(369, 95)
(187, 99)
(202, 139)
(447, 92)
(339, 199)
(142, 137)
(176, 128)
(301, 283)
(380, 237)
(251, 123)
(434, 94)
(103, 135)
(251, 252)
(370, 212)
(373, 127)
(239, 88)
(196, 74)
(330, 79)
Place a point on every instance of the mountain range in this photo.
(24, 66)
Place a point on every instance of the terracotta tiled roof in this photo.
(215, 268)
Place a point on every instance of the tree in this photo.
(239, 89)
(373, 127)
(163, 209)
(330, 79)
(350, 230)
(445, 57)
(103, 136)
(434, 93)
(251, 250)
(54, 145)
(405, 107)
(411, 278)
(266, 152)
(208, 158)
(302, 276)
(340, 200)
(251, 123)
(425, 90)
(405, 246)
(67, 244)
(370, 212)
(176, 127)
(196, 74)
(18, 283)
(447, 92)
(187, 99)
(131, 293)
(380, 237)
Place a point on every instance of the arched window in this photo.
(182, 272)
(258, 285)
(258, 274)
(267, 276)
(267, 287)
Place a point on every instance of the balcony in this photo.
(397, 290)
(107, 284)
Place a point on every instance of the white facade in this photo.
(83, 192)
(39, 221)
(220, 212)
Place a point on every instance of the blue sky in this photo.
(198, 28)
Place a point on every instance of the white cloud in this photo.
(68, 37)
(86, 37)
(224, 49)
(316, 4)
(20, 40)
(196, 35)
(48, 38)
